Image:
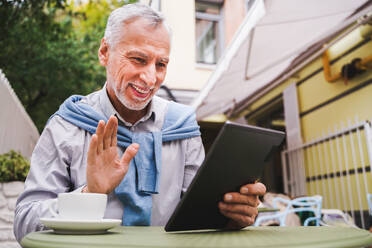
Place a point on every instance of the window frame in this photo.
(219, 19)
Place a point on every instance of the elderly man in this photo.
(141, 150)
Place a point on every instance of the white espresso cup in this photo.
(80, 206)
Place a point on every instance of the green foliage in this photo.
(42, 58)
(13, 167)
(49, 50)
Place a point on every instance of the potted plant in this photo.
(13, 171)
(13, 167)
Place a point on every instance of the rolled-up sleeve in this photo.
(49, 175)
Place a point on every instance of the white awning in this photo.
(272, 35)
(17, 130)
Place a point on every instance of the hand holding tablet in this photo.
(236, 158)
(241, 207)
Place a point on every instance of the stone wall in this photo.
(9, 193)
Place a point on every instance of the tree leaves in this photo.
(49, 52)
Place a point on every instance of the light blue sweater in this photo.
(142, 179)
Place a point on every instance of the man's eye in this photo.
(162, 65)
(139, 60)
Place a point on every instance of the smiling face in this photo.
(135, 66)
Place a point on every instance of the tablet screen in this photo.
(236, 158)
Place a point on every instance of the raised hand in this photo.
(105, 170)
(241, 207)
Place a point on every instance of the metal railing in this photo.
(336, 166)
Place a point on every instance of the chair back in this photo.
(308, 204)
(311, 204)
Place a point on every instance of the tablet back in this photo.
(237, 157)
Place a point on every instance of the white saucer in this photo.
(65, 226)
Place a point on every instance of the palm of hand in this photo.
(105, 169)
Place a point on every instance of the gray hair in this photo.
(118, 18)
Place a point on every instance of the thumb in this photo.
(129, 154)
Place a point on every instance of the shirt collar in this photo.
(108, 109)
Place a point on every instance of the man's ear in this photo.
(103, 52)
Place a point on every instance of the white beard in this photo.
(140, 105)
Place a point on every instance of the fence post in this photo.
(367, 130)
(284, 171)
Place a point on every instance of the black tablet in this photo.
(237, 157)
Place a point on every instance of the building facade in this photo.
(201, 32)
(305, 67)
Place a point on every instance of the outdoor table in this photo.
(248, 237)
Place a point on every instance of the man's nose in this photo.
(148, 75)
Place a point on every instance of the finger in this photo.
(99, 132)
(92, 151)
(114, 136)
(253, 189)
(108, 133)
(239, 209)
(237, 198)
(129, 154)
(242, 220)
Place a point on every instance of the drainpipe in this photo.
(327, 69)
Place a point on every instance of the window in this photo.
(208, 31)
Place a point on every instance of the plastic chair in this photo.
(336, 217)
(311, 204)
